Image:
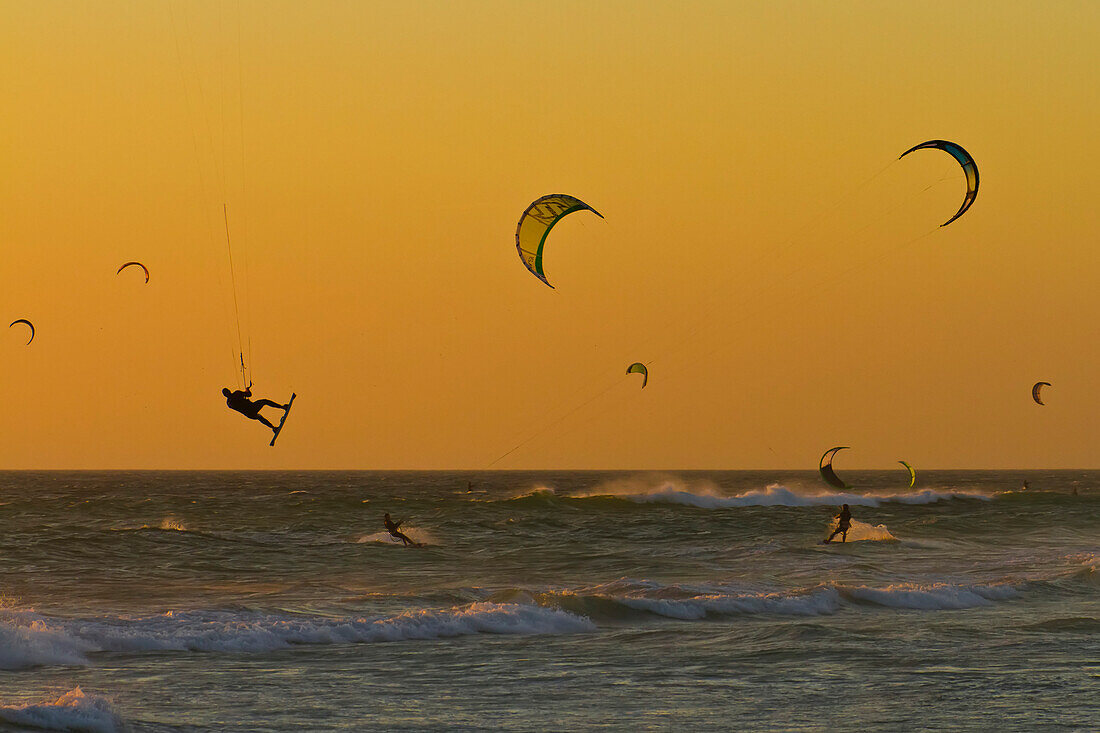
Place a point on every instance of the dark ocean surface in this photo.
(275, 601)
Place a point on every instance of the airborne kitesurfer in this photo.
(251, 409)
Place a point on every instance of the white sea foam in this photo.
(706, 496)
(26, 640)
(73, 711)
(861, 532)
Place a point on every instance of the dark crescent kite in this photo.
(537, 221)
(29, 324)
(825, 465)
(912, 473)
(1036, 390)
(128, 264)
(968, 165)
(639, 368)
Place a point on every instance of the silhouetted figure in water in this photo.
(469, 486)
(239, 401)
(1025, 487)
(844, 523)
(391, 527)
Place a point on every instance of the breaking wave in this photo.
(28, 639)
(681, 603)
(57, 641)
(707, 496)
(862, 532)
(932, 597)
(540, 494)
(73, 711)
(625, 597)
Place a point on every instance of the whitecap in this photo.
(68, 641)
(707, 496)
(73, 711)
(930, 597)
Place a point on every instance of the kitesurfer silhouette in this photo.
(391, 527)
(251, 409)
(843, 524)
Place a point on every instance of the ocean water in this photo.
(275, 601)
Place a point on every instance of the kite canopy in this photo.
(138, 264)
(29, 325)
(537, 221)
(639, 368)
(1036, 390)
(968, 165)
(825, 465)
(912, 473)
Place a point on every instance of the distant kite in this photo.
(1036, 390)
(128, 264)
(968, 165)
(537, 221)
(912, 473)
(29, 325)
(825, 465)
(639, 368)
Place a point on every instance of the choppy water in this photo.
(548, 601)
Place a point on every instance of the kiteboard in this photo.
(396, 542)
(279, 429)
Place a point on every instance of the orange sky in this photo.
(375, 157)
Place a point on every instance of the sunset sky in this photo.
(763, 250)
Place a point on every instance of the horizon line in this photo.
(499, 470)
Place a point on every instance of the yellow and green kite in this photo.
(537, 221)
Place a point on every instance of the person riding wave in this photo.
(844, 523)
(391, 527)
